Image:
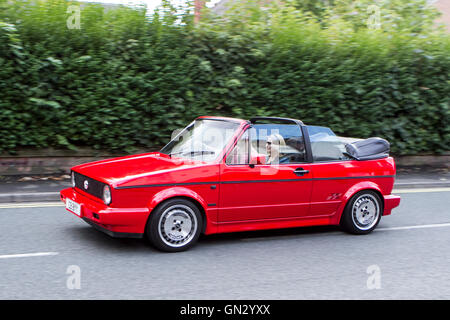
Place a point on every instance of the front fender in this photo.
(210, 222)
(175, 192)
(357, 187)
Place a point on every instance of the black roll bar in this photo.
(286, 120)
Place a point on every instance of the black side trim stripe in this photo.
(249, 181)
(168, 185)
(264, 181)
(361, 177)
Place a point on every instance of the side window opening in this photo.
(281, 143)
(270, 144)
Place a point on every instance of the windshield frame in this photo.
(240, 124)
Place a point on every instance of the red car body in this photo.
(231, 198)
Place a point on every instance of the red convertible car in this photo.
(224, 175)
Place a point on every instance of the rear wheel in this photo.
(362, 213)
(174, 226)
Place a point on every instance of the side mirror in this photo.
(257, 159)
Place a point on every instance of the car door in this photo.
(253, 190)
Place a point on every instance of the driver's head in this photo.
(273, 144)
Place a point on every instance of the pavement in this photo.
(38, 190)
(49, 253)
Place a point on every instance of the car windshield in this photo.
(203, 139)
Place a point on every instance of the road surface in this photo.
(48, 253)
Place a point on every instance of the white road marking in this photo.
(30, 205)
(25, 255)
(60, 204)
(420, 226)
(420, 190)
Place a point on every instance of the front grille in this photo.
(95, 187)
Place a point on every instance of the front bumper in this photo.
(390, 202)
(116, 222)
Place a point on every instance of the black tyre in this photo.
(174, 226)
(362, 213)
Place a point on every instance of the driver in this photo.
(274, 142)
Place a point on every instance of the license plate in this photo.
(73, 206)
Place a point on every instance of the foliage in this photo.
(395, 15)
(127, 79)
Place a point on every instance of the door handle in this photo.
(300, 171)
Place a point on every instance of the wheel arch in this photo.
(361, 186)
(179, 193)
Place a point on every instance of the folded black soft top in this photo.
(368, 149)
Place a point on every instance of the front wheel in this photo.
(174, 226)
(362, 213)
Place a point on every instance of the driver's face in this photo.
(269, 148)
(272, 148)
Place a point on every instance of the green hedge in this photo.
(127, 80)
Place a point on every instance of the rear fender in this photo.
(364, 185)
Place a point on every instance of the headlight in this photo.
(73, 179)
(106, 195)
